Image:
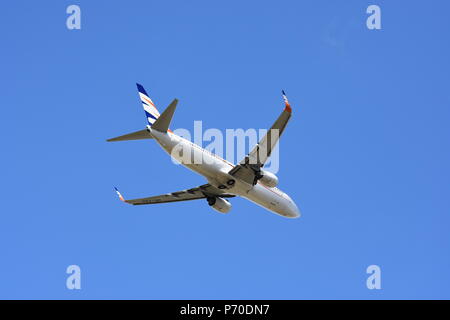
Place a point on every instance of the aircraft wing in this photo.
(247, 170)
(200, 192)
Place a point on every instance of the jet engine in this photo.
(268, 179)
(219, 204)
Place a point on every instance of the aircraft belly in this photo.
(267, 199)
(193, 158)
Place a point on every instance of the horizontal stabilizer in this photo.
(138, 135)
(163, 122)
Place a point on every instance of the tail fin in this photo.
(151, 113)
(163, 122)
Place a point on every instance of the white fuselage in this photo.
(215, 170)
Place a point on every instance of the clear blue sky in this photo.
(366, 155)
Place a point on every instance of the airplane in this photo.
(247, 179)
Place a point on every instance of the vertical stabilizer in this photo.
(151, 113)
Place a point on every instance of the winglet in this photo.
(286, 102)
(120, 196)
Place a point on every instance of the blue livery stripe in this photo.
(141, 89)
(149, 115)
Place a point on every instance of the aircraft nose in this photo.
(293, 211)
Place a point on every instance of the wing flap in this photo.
(243, 173)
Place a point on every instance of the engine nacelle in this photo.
(268, 179)
(219, 204)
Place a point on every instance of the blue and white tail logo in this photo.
(149, 107)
